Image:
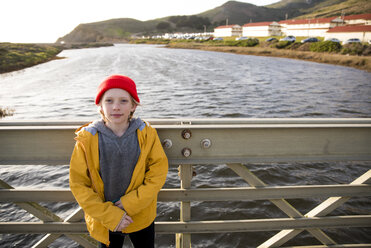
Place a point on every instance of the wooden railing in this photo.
(233, 142)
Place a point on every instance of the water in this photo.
(188, 83)
(194, 84)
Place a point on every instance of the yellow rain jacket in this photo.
(140, 199)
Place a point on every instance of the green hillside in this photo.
(241, 13)
(232, 12)
(336, 8)
(108, 31)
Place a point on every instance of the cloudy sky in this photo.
(46, 20)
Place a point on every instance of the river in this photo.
(181, 83)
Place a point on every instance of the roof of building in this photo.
(228, 26)
(347, 29)
(308, 21)
(258, 24)
(355, 17)
(326, 20)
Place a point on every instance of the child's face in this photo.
(117, 105)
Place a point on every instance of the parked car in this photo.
(333, 40)
(209, 38)
(242, 38)
(311, 39)
(351, 41)
(271, 39)
(289, 38)
(218, 38)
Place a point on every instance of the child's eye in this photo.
(108, 100)
(124, 100)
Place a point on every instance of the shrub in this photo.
(295, 45)
(304, 47)
(232, 42)
(325, 46)
(353, 49)
(249, 42)
(282, 44)
(6, 112)
(3, 51)
(367, 51)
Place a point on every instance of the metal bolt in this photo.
(167, 143)
(186, 152)
(186, 134)
(206, 143)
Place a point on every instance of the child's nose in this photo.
(116, 106)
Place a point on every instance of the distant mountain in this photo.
(301, 9)
(232, 12)
(241, 13)
(114, 30)
(331, 8)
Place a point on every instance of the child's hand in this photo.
(119, 204)
(125, 222)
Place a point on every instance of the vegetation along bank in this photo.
(16, 56)
(352, 55)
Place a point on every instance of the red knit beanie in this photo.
(117, 81)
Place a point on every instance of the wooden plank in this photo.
(321, 210)
(183, 240)
(221, 226)
(46, 215)
(204, 194)
(263, 193)
(83, 239)
(282, 204)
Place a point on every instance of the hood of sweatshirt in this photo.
(99, 125)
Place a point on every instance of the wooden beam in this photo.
(201, 226)
(238, 141)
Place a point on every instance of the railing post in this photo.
(183, 240)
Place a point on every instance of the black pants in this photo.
(144, 238)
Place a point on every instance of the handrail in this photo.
(205, 141)
(248, 141)
(203, 194)
(166, 227)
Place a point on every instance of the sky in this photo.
(44, 21)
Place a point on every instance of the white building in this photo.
(364, 19)
(343, 33)
(310, 27)
(228, 31)
(317, 27)
(261, 29)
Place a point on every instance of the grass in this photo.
(14, 56)
(6, 112)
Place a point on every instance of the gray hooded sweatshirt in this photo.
(117, 157)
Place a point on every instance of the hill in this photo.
(241, 13)
(301, 9)
(336, 8)
(114, 30)
(232, 12)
